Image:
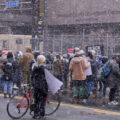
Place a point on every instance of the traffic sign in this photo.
(12, 4)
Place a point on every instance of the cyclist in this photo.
(40, 87)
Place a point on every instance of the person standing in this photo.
(40, 87)
(24, 62)
(113, 80)
(78, 68)
(57, 68)
(3, 58)
(9, 71)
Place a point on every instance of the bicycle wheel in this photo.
(17, 107)
(52, 104)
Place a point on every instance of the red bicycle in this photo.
(19, 104)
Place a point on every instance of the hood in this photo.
(9, 55)
(29, 50)
(77, 60)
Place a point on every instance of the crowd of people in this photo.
(82, 73)
(86, 75)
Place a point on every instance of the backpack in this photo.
(105, 71)
(8, 71)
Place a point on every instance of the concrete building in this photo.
(85, 24)
(69, 23)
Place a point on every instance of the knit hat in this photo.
(5, 52)
(9, 55)
(41, 59)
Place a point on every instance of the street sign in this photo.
(12, 4)
(70, 50)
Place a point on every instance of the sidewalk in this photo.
(96, 102)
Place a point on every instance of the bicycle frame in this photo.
(21, 102)
(29, 94)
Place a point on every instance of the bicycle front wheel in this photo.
(52, 104)
(17, 107)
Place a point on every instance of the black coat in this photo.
(114, 78)
(38, 79)
(9, 70)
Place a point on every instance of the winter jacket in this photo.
(57, 68)
(9, 73)
(114, 78)
(78, 68)
(94, 66)
(24, 61)
(38, 78)
(18, 76)
(2, 60)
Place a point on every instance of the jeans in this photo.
(90, 87)
(8, 87)
(1, 82)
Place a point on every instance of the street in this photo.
(67, 112)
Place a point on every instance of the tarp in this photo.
(54, 84)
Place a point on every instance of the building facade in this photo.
(84, 24)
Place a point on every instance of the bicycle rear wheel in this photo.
(52, 104)
(17, 107)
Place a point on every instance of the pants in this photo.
(1, 82)
(65, 80)
(8, 87)
(76, 87)
(112, 94)
(90, 84)
(40, 101)
(90, 87)
(104, 89)
(26, 76)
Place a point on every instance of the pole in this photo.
(107, 44)
(61, 44)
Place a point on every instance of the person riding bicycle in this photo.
(40, 87)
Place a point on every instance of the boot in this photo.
(81, 101)
(76, 100)
(5, 95)
(9, 95)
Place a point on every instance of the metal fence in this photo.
(60, 43)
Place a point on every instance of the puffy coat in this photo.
(9, 73)
(114, 78)
(78, 68)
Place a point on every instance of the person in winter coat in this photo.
(40, 87)
(24, 62)
(18, 77)
(3, 58)
(9, 72)
(113, 79)
(91, 78)
(57, 68)
(34, 61)
(78, 68)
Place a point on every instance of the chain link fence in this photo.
(61, 43)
